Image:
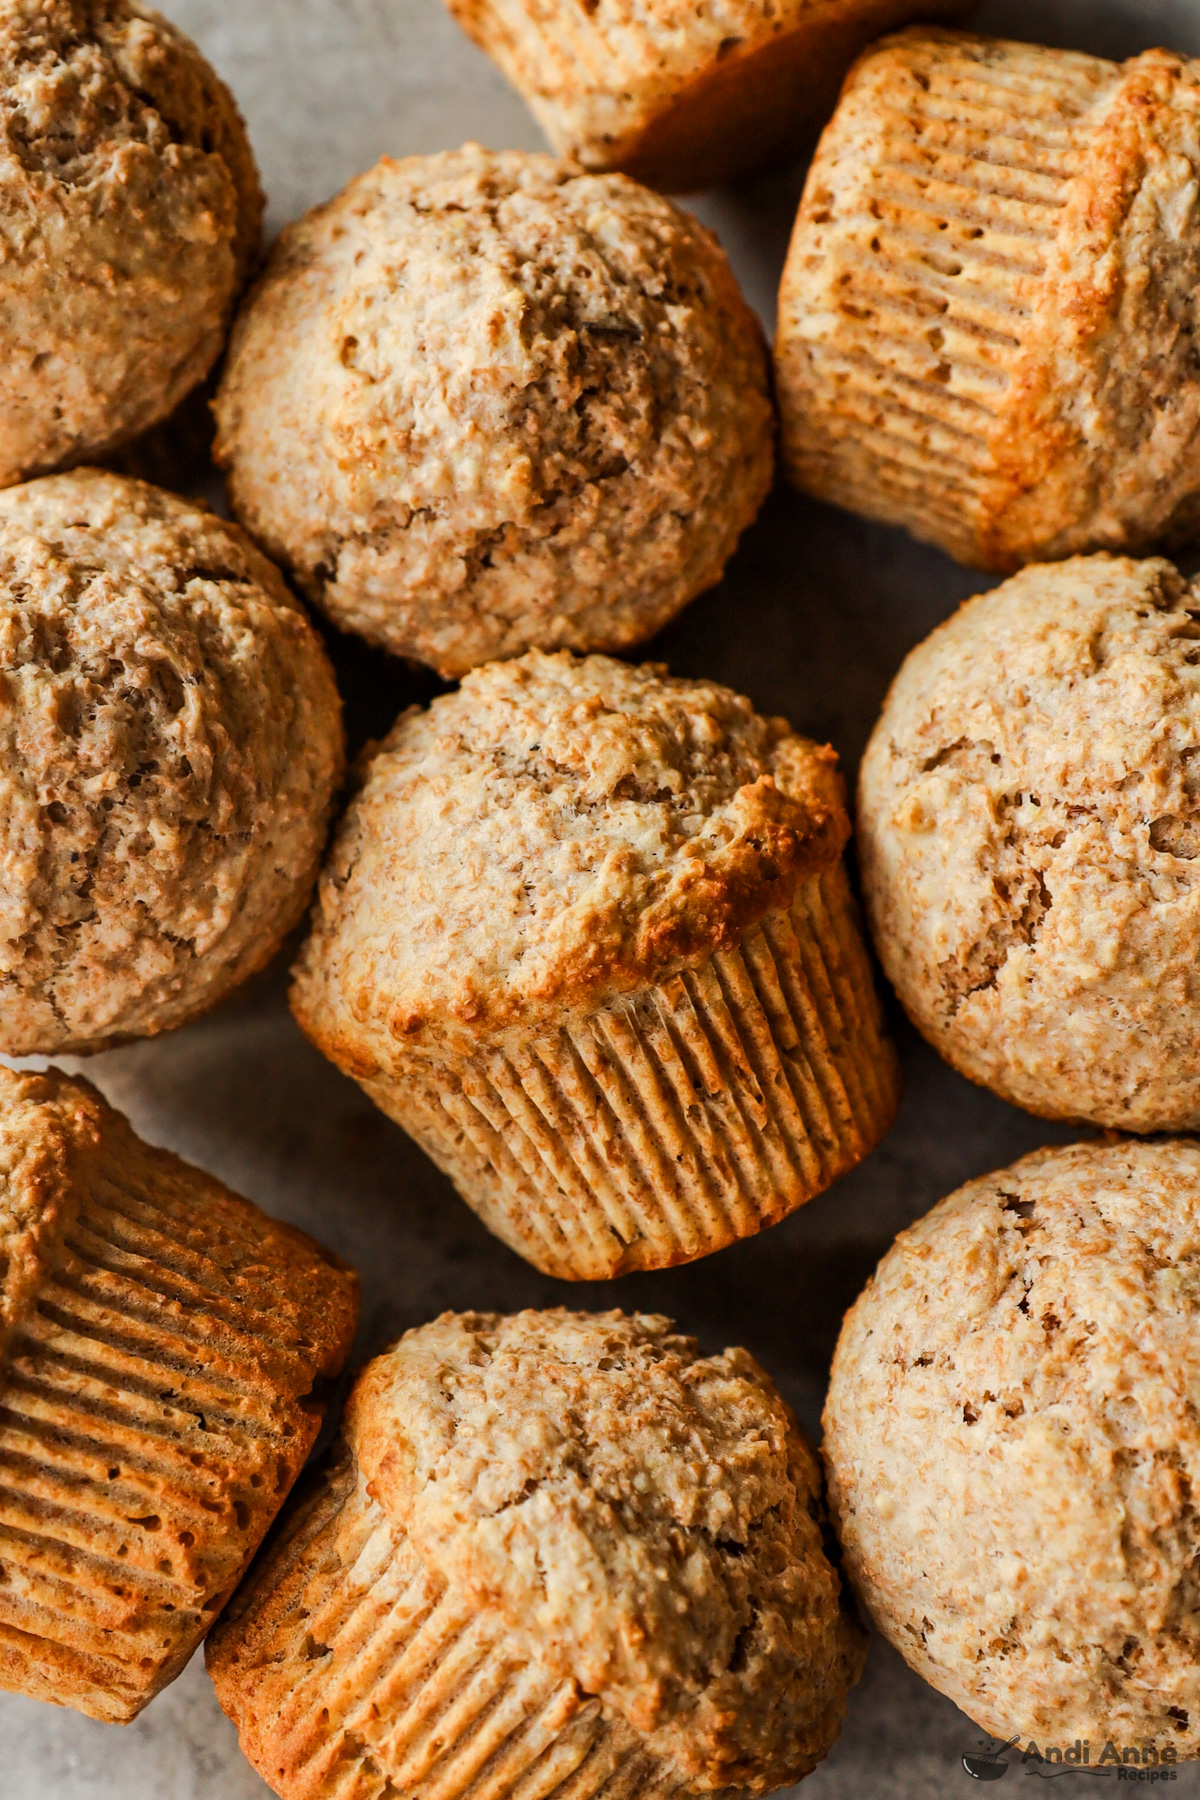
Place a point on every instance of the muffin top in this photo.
(648, 1518)
(558, 829)
(1012, 1444)
(124, 159)
(171, 740)
(1029, 836)
(481, 401)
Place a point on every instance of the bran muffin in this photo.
(557, 1554)
(164, 1348)
(989, 307)
(1029, 832)
(678, 96)
(170, 746)
(585, 933)
(480, 402)
(130, 214)
(1012, 1446)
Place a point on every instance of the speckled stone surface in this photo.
(814, 616)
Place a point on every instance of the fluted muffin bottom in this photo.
(150, 1426)
(675, 1120)
(353, 1672)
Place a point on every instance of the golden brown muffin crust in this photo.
(1029, 834)
(124, 159)
(1012, 1446)
(479, 402)
(558, 828)
(171, 742)
(584, 1475)
(624, 1520)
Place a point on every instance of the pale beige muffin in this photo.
(1012, 1447)
(988, 313)
(130, 214)
(170, 747)
(679, 96)
(165, 1354)
(558, 1554)
(481, 402)
(586, 934)
(1028, 834)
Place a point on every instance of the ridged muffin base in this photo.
(147, 1435)
(352, 1673)
(919, 294)
(677, 1119)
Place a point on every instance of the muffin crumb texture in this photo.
(171, 746)
(1012, 1446)
(164, 1352)
(1029, 829)
(480, 402)
(123, 159)
(633, 1532)
(988, 316)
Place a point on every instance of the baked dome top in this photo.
(1029, 830)
(558, 829)
(124, 159)
(1012, 1444)
(649, 1518)
(170, 742)
(479, 402)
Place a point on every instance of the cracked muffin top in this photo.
(1029, 813)
(170, 742)
(124, 162)
(1012, 1445)
(481, 402)
(647, 1519)
(559, 829)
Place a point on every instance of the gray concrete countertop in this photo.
(812, 620)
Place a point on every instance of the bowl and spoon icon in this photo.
(985, 1765)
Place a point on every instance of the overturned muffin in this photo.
(586, 934)
(132, 211)
(1029, 826)
(560, 1544)
(170, 745)
(987, 317)
(164, 1348)
(479, 403)
(682, 97)
(1012, 1447)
